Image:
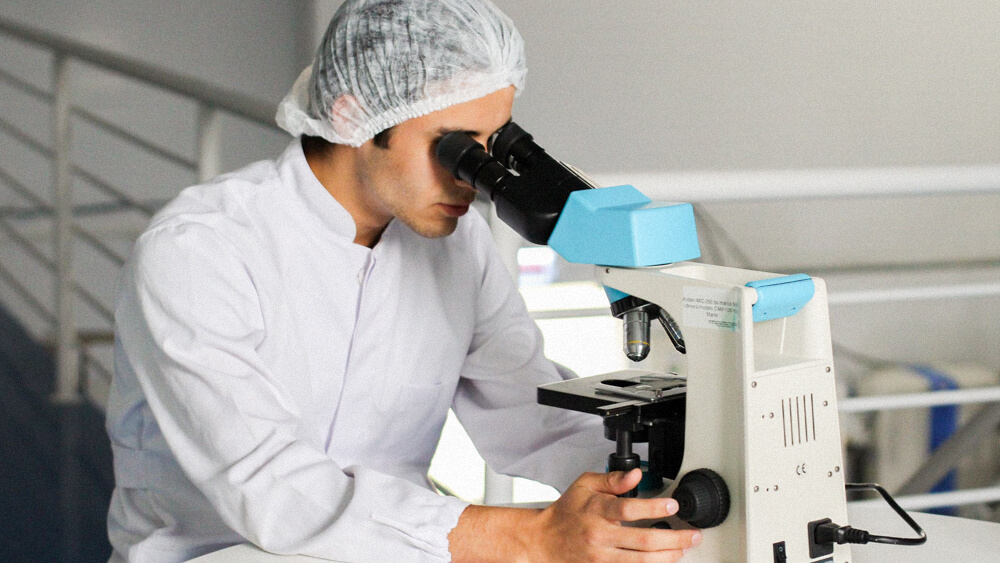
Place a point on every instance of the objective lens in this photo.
(636, 335)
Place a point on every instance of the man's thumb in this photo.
(620, 482)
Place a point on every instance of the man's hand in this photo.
(584, 524)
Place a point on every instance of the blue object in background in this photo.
(944, 423)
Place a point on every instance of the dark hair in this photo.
(381, 139)
(315, 146)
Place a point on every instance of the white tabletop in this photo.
(949, 539)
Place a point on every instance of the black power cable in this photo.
(830, 532)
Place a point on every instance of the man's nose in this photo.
(464, 184)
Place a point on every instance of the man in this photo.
(291, 336)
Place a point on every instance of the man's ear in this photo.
(347, 115)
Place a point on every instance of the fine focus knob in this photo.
(703, 498)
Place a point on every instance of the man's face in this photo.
(406, 181)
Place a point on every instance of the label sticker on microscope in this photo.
(709, 307)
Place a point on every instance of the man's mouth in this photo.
(455, 210)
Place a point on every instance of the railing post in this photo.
(67, 355)
(68, 396)
(209, 142)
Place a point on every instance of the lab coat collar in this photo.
(294, 171)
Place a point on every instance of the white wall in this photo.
(650, 85)
(248, 45)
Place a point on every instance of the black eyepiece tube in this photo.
(530, 201)
(468, 161)
(516, 149)
(513, 146)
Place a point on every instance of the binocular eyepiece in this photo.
(528, 187)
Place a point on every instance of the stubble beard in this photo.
(427, 229)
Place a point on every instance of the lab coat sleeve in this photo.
(496, 398)
(189, 320)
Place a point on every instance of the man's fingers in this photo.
(652, 539)
(632, 509)
(612, 483)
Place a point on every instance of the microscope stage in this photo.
(626, 388)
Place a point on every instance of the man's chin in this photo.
(437, 229)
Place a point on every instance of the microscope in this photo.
(746, 437)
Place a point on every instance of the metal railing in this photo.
(72, 351)
(79, 362)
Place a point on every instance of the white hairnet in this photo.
(383, 62)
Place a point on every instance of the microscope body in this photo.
(754, 410)
(761, 407)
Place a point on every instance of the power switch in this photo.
(780, 556)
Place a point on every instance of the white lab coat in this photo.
(278, 384)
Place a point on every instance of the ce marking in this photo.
(800, 469)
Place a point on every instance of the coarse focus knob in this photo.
(703, 498)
